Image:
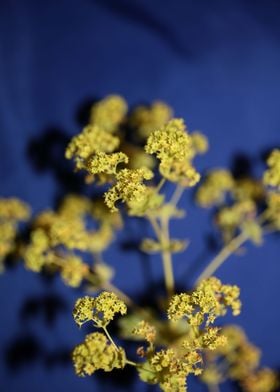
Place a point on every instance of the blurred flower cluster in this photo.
(133, 155)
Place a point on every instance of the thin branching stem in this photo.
(223, 255)
(179, 190)
(110, 338)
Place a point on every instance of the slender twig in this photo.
(160, 184)
(231, 247)
(179, 190)
(155, 226)
(162, 234)
(167, 259)
(128, 362)
(110, 338)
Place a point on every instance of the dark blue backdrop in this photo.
(216, 62)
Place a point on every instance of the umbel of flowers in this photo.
(134, 154)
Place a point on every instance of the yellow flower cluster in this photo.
(200, 143)
(273, 209)
(213, 190)
(272, 174)
(129, 187)
(34, 254)
(12, 212)
(149, 203)
(101, 310)
(209, 301)
(146, 119)
(13, 209)
(102, 163)
(237, 202)
(263, 380)
(173, 146)
(90, 141)
(241, 361)
(170, 367)
(169, 371)
(57, 235)
(145, 330)
(95, 353)
(74, 270)
(109, 113)
(210, 338)
(248, 188)
(240, 214)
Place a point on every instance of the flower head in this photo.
(129, 187)
(109, 113)
(272, 174)
(101, 310)
(173, 146)
(212, 191)
(95, 353)
(209, 301)
(91, 140)
(147, 119)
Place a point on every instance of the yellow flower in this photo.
(199, 142)
(170, 142)
(213, 189)
(35, 253)
(74, 270)
(101, 162)
(146, 331)
(272, 174)
(209, 301)
(95, 353)
(101, 310)
(129, 187)
(147, 119)
(263, 380)
(173, 146)
(14, 210)
(91, 140)
(109, 113)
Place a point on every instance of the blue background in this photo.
(216, 62)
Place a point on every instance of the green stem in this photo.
(231, 247)
(128, 362)
(162, 234)
(167, 260)
(168, 273)
(160, 184)
(179, 190)
(110, 338)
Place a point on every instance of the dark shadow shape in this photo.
(83, 112)
(47, 154)
(58, 358)
(23, 351)
(241, 165)
(118, 377)
(48, 307)
(26, 350)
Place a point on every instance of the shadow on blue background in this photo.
(217, 63)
